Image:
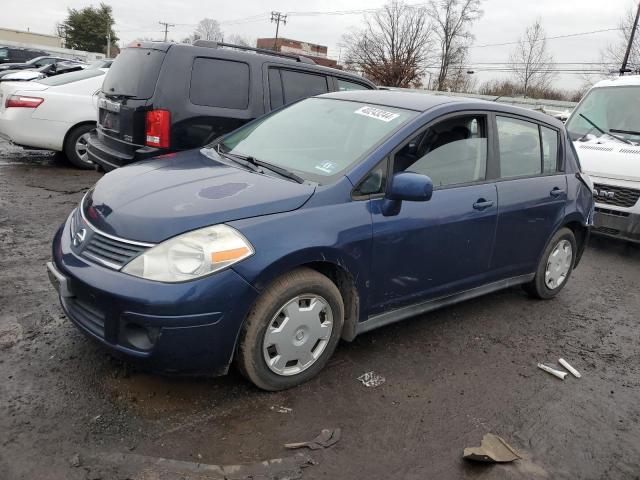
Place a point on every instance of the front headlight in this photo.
(191, 255)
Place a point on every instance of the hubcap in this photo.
(558, 264)
(81, 147)
(297, 334)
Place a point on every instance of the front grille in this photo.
(606, 230)
(113, 253)
(100, 247)
(615, 213)
(618, 196)
(87, 315)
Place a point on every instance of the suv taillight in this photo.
(20, 101)
(157, 127)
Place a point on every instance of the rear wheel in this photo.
(76, 147)
(555, 267)
(291, 331)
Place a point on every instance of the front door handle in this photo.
(483, 204)
(557, 192)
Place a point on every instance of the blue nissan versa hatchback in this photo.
(322, 220)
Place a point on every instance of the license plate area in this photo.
(109, 120)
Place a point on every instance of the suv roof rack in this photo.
(213, 44)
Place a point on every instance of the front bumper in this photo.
(189, 327)
(616, 223)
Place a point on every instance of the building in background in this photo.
(317, 53)
(51, 44)
(30, 38)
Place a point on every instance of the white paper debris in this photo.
(281, 409)
(371, 379)
(552, 371)
(572, 370)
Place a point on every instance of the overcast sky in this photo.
(503, 21)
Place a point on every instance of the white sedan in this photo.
(55, 113)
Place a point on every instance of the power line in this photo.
(579, 34)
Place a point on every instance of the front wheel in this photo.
(291, 331)
(75, 147)
(555, 266)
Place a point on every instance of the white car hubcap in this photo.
(558, 265)
(297, 334)
(81, 147)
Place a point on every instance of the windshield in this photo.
(317, 138)
(613, 109)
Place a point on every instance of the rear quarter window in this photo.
(220, 83)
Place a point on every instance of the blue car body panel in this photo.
(428, 252)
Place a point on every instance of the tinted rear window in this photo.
(134, 73)
(70, 77)
(220, 83)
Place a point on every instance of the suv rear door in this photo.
(128, 85)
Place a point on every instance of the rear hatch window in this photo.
(134, 73)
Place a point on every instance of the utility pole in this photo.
(109, 43)
(277, 17)
(624, 69)
(166, 28)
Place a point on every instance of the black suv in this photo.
(18, 55)
(162, 97)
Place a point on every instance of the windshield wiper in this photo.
(626, 132)
(248, 159)
(237, 159)
(604, 132)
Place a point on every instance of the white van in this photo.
(605, 129)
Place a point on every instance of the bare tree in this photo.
(614, 53)
(241, 40)
(532, 63)
(208, 29)
(452, 20)
(393, 46)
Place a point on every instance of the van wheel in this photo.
(555, 267)
(75, 147)
(291, 331)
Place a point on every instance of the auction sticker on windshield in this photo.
(377, 113)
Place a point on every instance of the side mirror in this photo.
(409, 186)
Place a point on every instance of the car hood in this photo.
(615, 160)
(156, 199)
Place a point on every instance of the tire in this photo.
(555, 266)
(271, 334)
(75, 145)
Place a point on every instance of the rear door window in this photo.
(520, 153)
(220, 83)
(134, 73)
(4, 53)
(297, 85)
(345, 85)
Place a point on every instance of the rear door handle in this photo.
(557, 192)
(482, 204)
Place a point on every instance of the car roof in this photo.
(421, 102)
(249, 54)
(624, 81)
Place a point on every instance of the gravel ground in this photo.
(451, 376)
